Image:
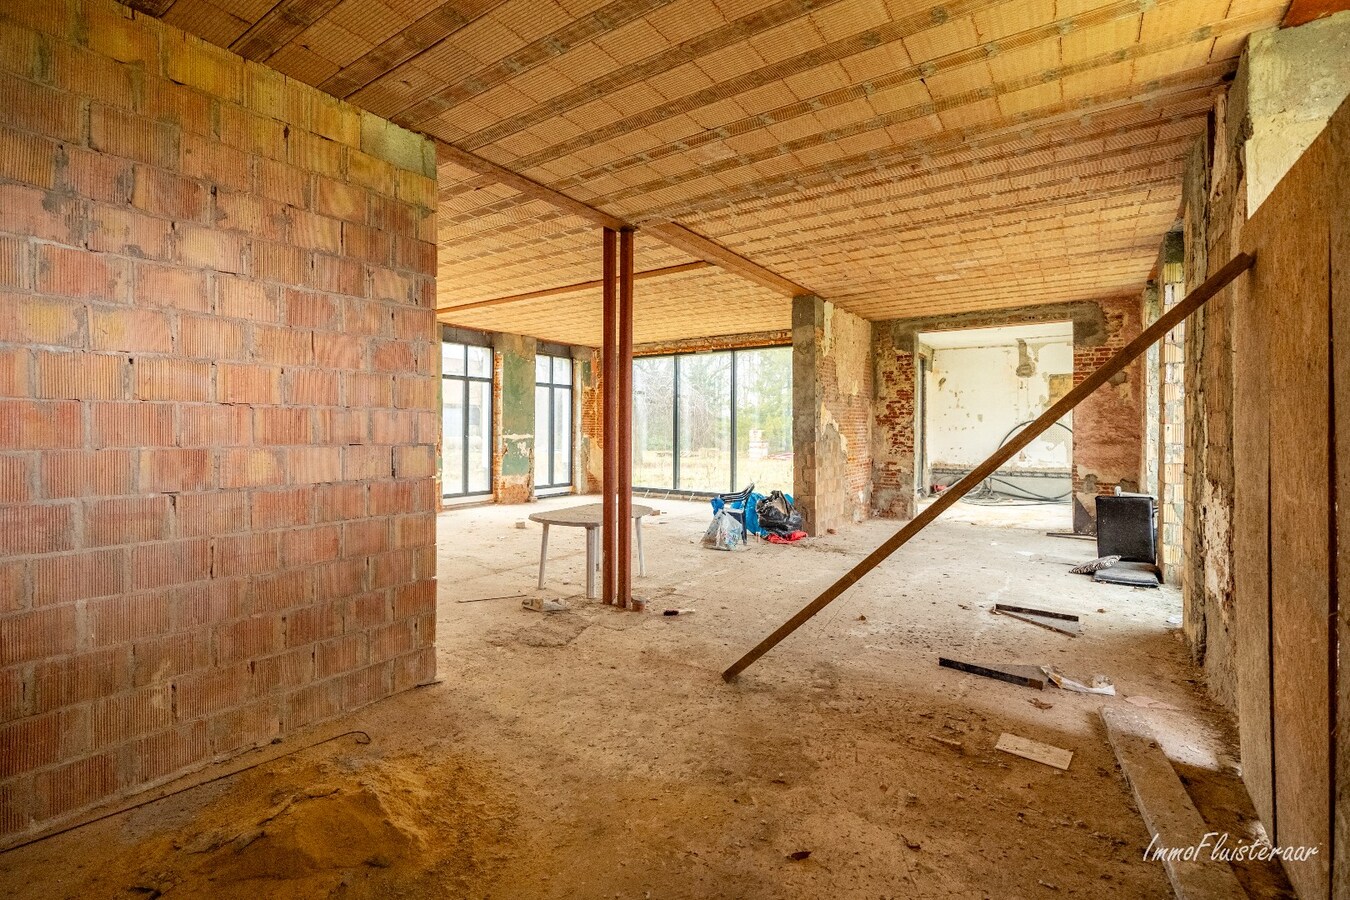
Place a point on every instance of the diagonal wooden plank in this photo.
(1123, 357)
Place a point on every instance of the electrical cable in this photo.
(988, 495)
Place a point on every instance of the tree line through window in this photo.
(713, 422)
(552, 422)
(466, 422)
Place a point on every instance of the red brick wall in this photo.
(217, 406)
(893, 436)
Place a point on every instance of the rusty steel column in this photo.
(625, 405)
(609, 431)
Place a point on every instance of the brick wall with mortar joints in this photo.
(217, 406)
(1108, 425)
(832, 414)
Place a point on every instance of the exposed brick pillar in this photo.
(218, 381)
(893, 436)
(832, 414)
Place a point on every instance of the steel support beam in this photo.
(625, 404)
(609, 390)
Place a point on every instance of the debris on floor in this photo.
(1064, 623)
(1026, 676)
(678, 612)
(1035, 751)
(1100, 683)
(478, 599)
(537, 604)
(1096, 565)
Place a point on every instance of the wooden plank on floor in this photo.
(1296, 243)
(1339, 204)
(1168, 813)
(1251, 522)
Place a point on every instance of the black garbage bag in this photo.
(777, 515)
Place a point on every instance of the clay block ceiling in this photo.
(897, 158)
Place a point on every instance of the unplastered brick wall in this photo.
(1108, 425)
(217, 406)
(832, 414)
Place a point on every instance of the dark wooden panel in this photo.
(1295, 247)
(1340, 369)
(1251, 519)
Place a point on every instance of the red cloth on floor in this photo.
(779, 539)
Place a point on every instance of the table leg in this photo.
(591, 543)
(543, 556)
(642, 563)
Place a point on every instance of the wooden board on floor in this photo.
(1251, 521)
(1296, 246)
(1339, 204)
(1168, 813)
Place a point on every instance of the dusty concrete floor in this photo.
(597, 753)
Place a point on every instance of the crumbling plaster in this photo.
(1108, 425)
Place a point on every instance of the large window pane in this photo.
(452, 431)
(562, 434)
(653, 421)
(543, 436)
(452, 359)
(480, 436)
(705, 422)
(480, 362)
(764, 418)
(552, 421)
(466, 423)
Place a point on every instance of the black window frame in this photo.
(675, 418)
(554, 386)
(448, 383)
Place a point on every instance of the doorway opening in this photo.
(979, 387)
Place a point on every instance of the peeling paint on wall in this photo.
(513, 411)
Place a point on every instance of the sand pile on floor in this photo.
(375, 828)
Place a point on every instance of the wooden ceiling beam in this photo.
(465, 160)
(675, 235)
(1301, 12)
(573, 288)
(682, 238)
